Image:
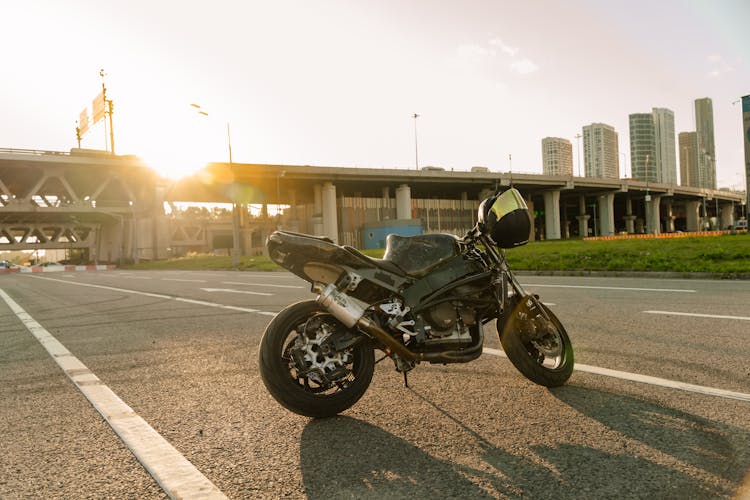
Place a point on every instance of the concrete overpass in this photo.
(112, 207)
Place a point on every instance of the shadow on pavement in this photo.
(344, 457)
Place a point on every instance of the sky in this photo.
(337, 82)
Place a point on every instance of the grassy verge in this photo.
(727, 255)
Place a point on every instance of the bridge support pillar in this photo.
(692, 209)
(330, 222)
(607, 214)
(668, 217)
(727, 215)
(583, 219)
(552, 214)
(629, 217)
(532, 229)
(653, 217)
(403, 202)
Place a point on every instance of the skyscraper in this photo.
(642, 147)
(652, 138)
(601, 156)
(688, 149)
(704, 126)
(557, 156)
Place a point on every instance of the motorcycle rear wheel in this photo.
(300, 369)
(537, 344)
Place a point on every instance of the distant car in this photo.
(4, 264)
(741, 224)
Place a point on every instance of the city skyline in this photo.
(339, 83)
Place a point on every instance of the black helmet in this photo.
(505, 219)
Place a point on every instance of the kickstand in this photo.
(406, 380)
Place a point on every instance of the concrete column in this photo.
(583, 225)
(652, 215)
(330, 222)
(532, 230)
(403, 202)
(552, 215)
(727, 215)
(629, 217)
(583, 219)
(692, 209)
(317, 217)
(607, 214)
(629, 224)
(669, 218)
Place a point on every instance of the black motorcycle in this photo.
(426, 300)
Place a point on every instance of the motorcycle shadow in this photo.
(344, 457)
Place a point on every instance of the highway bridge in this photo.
(115, 208)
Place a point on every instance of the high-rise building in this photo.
(652, 146)
(688, 148)
(642, 147)
(557, 156)
(666, 160)
(600, 151)
(704, 126)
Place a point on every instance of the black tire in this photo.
(539, 348)
(303, 394)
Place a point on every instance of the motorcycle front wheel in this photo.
(312, 364)
(537, 344)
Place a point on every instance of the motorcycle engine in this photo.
(448, 323)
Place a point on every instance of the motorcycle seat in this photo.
(385, 265)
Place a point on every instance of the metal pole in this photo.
(416, 150)
(235, 210)
(578, 141)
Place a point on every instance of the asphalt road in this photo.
(180, 350)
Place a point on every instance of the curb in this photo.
(638, 274)
(60, 269)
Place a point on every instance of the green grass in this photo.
(727, 255)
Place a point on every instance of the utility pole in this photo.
(416, 150)
(109, 109)
(578, 148)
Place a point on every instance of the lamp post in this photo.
(578, 153)
(416, 151)
(235, 205)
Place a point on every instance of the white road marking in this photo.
(160, 296)
(259, 284)
(231, 290)
(698, 315)
(138, 277)
(646, 379)
(677, 290)
(178, 279)
(175, 474)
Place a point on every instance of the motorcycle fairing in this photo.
(418, 255)
(450, 271)
(316, 259)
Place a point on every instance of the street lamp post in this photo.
(416, 150)
(235, 205)
(578, 151)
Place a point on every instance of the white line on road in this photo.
(531, 285)
(160, 296)
(698, 315)
(178, 279)
(231, 290)
(646, 379)
(175, 474)
(259, 284)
